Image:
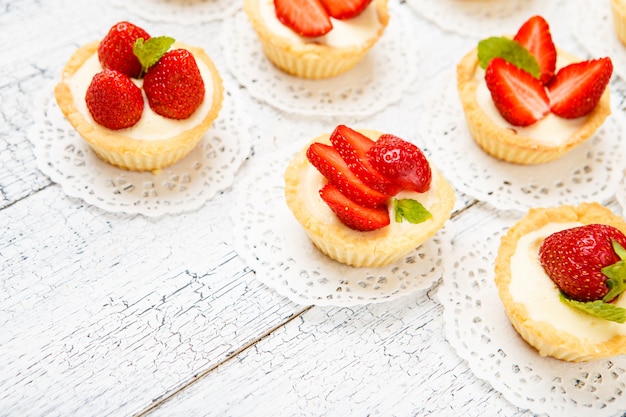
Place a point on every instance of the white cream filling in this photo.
(345, 33)
(531, 286)
(311, 181)
(151, 126)
(551, 130)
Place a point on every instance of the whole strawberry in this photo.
(174, 85)
(113, 100)
(402, 162)
(116, 48)
(575, 258)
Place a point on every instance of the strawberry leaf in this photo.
(598, 309)
(510, 51)
(150, 51)
(616, 274)
(411, 210)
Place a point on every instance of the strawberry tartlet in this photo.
(320, 38)
(527, 102)
(364, 198)
(560, 275)
(141, 103)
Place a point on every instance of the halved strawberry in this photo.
(305, 17)
(576, 89)
(354, 215)
(575, 260)
(345, 9)
(519, 97)
(535, 36)
(332, 166)
(353, 147)
(402, 162)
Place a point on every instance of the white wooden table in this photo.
(105, 314)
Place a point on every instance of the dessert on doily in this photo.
(142, 103)
(560, 274)
(365, 198)
(527, 102)
(618, 9)
(320, 38)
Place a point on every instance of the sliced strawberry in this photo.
(330, 164)
(402, 162)
(353, 147)
(174, 85)
(576, 89)
(116, 48)
(113, 100)
(519, 97)
(305, 17)
(351, 214)
(574, 259)
(535, 36)
(345, 9)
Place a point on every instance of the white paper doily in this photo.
(180, 11)
(590, 172)
(480, 332)
(380, 79)
(211, 167)
(593, 27)
(480, 18)
(276, 247)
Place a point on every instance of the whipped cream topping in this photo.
(151, 126)
(312, 181)
(532, 287)
(551, 130)
(345, 33)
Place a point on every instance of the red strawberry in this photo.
(353, 147)
(113, 100)
(305, 17)
(116, 48)
(174, 86)
(352, 214)
(402, 162)
(330, 164)
(519, 97)
(345, 9)
(535, 36)
(576, 89)
(573, 259)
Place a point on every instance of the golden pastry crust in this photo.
(506, 144)
(113, 146)
(361, 249)
(618, 8)
(548, 340)
(311, 60)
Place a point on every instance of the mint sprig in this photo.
(616, 273)
(411, 210)
(598, 308)
(509, 50)
(150, 51)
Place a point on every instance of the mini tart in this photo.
(549, 337)
(618, 8)
(116, 146)
(360, 249)
(505, 143)
(310, 59)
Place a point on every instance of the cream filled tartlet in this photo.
(527, 102)
(317, 38)
(560, 275)
(141, 103)
(365, 198)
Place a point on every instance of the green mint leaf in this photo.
(598, 309)
(150, 51)
(616, 274)
(619, 250)
(411, 210)
(510, 51)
